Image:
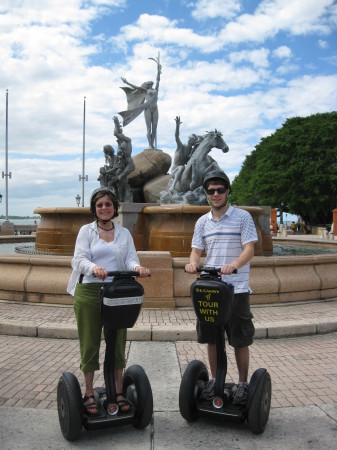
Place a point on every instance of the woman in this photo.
(101, 246)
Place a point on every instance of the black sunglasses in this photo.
(221, 190)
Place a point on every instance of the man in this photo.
(227, 234)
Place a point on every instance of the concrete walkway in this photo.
(303, 372)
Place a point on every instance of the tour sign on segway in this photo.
(121, 302)
(212, 301)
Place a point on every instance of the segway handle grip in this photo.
(213, 269)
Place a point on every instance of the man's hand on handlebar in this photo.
(191, 268)
(228, 269)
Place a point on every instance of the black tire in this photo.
(137, 389)
(69, 406)
(258, 412)
(192, 382)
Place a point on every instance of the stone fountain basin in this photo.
(44, 278)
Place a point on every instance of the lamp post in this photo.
(6, 174)
(78, 199)
(281, 213)
(83, 177)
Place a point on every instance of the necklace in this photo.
(113, 226)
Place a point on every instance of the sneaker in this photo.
(241, 394)
(208, 392)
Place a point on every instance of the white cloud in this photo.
(322, 43)
(205, 9)
(273, 16)
(258, 57)
(282, 52)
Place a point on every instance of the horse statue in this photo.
(189, 177)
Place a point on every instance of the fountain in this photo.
(162, 236)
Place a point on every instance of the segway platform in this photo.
(121, 302)
(213, 303)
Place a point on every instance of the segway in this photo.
(121, 302)
(212, 301)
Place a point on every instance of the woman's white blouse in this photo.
(88, 236)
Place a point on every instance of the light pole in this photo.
(6, 174)
(281, 213)
(83, 177)
(78, 199)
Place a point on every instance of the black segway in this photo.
(121, 302)
(212, 301)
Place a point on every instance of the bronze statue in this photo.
(123, 166)
(143, 98)
(107, 169)
(188, 178)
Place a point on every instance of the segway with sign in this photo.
(121, 302)
(212, 301)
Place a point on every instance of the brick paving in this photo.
(303, 370)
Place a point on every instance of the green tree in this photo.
(294, 169)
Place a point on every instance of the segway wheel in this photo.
(69, 406)
(258, 412)
(137, 389)
(192, 382)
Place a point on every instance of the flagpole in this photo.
(6, 174)
(84, 177)
(83, 157)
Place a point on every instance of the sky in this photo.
(240, 66)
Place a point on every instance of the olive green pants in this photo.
(88, 317)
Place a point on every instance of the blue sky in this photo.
(242, 67)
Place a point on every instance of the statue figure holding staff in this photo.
(143, 98)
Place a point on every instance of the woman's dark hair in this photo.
(99, 193)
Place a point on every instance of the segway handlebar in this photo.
(215, 270)
(131, 273)
(125, 273)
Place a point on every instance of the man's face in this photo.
(217, 194)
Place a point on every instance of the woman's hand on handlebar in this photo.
(100, 272)
(228, 269)
(143, 271)
(191, 268)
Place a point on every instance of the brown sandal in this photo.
(123, 404)
(91, 405)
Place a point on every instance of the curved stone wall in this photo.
(273, 279)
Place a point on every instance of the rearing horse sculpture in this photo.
(189, 177)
